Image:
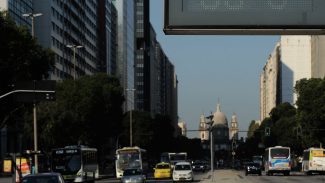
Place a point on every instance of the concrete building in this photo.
(144, 55)
(293, 58)
(296, 59)
(126, 48)
(220, 130)
(269, 82)
(69, 23)
(318, 57)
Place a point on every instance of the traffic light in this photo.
(267, 131)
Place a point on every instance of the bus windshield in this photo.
(177, 157)
(279, 153)
(128, 160)
(66, 163)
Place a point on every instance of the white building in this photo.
(269, 83)
(233, 130)
(293, 58)
(296, 59)
(203, 129)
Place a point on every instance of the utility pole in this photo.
(210, 123)
(131, 108)
(32, 16)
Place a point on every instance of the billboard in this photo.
(298, 17)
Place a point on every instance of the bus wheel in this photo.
(309, 173)
(286, 173)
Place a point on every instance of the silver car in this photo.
(133, 176)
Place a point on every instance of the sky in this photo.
(215, 68)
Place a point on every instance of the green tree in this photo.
(87, 111)
(252, 127)
(21, 59)
(311, 110)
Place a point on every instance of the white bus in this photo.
(130, 157)
(172, 158)
(277, 160)
(76, 163)
(177, 157)
(313, 161)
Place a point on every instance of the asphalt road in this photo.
(230, 176)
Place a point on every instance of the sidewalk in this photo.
(223, 175)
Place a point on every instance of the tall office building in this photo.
(71, 23)
(294, 58)
(111, 38)
(107, 36)
(126, 48)
(269, 84)
(16, 9)
(144, 49)
(168, 87)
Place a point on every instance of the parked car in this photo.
(162, 170)
(253, 168)
(43, 178)
(183, 172)
(133, 175)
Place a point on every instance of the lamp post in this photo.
(210, 123)
(131, 89)
(32, 16)
(74, 48)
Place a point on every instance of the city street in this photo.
(233, 176)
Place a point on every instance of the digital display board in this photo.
(244, 17)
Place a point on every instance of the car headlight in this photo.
(190, 173)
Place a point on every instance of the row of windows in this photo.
(140, 65)
(75, 29)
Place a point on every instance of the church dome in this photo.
(219, 118)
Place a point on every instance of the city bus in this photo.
(172, 158)
(313, 161)
(277, 160)
(76, 163)
(130, 157)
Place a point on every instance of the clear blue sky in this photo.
(215, 67)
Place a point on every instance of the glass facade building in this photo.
(126, 49)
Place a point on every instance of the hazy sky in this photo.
(215, 67)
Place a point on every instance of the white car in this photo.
(183, 172)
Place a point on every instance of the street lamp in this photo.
(32, 16)
(130, 89)
(210, 123)
(74, 47)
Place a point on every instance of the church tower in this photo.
(203, 129)
(233, 130)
